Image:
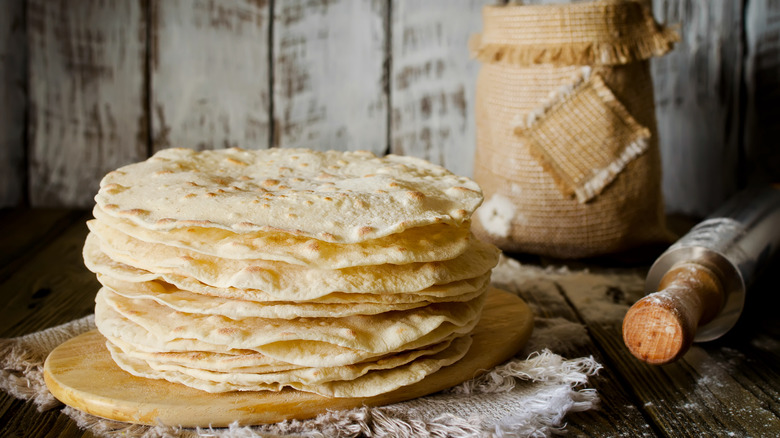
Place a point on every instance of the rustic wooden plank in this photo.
(87, 94)
(32, 229)
(433, 81)
(51, 288)
(329, 74)
(12, 103)
(618, 414)
(714, 390)
(762, 80)
(22, 419)
(209, 74)
(697, 98)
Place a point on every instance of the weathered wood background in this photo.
(89, 85)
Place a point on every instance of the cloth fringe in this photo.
(22, 361)
(555, 97)
(610, 32)
(575, 54)
(542, 366)
(601, 176)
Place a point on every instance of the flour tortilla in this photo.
(367, 385)
(318, 342)
(190, 302)
(241, 361)
(420, 244)
(109, 272)
(333, 196)
(282, 281)
(254, 375)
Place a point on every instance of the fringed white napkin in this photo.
(525, 397)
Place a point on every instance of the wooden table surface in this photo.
(729, 387)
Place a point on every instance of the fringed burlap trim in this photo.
(606, 32)
(594, 186)
(633, 141)
(555, 97)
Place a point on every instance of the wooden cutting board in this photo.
(81, 374)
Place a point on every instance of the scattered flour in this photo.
(599, 297)
(559, 335)
(496, 215)
(602, 297)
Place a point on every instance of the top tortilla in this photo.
(333, 196)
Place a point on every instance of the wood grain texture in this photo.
(54, 285)
(617, 414)
(87, 88)
(35, 228)
(433, 81)
(209, 74)
(82, 374)
(762, 80)
(329, 75)
(13, 82)
(700, 395)
(697, 98)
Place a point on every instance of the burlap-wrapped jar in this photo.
(567, 147)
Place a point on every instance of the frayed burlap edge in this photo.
(593, 53)
(597, 182)
(605, 47)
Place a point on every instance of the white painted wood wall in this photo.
(89, 85)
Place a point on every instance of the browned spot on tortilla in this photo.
(134, 212)
(362, 231)
(328, 236)
(232, 160)
(415, 196)
(464, 189)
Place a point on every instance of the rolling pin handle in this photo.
(660, 327)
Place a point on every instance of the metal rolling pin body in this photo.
(697, 287)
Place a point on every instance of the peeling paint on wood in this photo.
(762, 77)
(87, 116)
(433, 81)
(12, 103)
(697, 97)
(329, 74)
(209, 74)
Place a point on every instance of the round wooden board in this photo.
(81, 374)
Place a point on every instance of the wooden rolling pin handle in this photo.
(660, 327)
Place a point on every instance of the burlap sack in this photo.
(567, 145)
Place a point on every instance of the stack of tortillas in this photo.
(338, 273)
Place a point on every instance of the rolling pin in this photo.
(697, 287)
